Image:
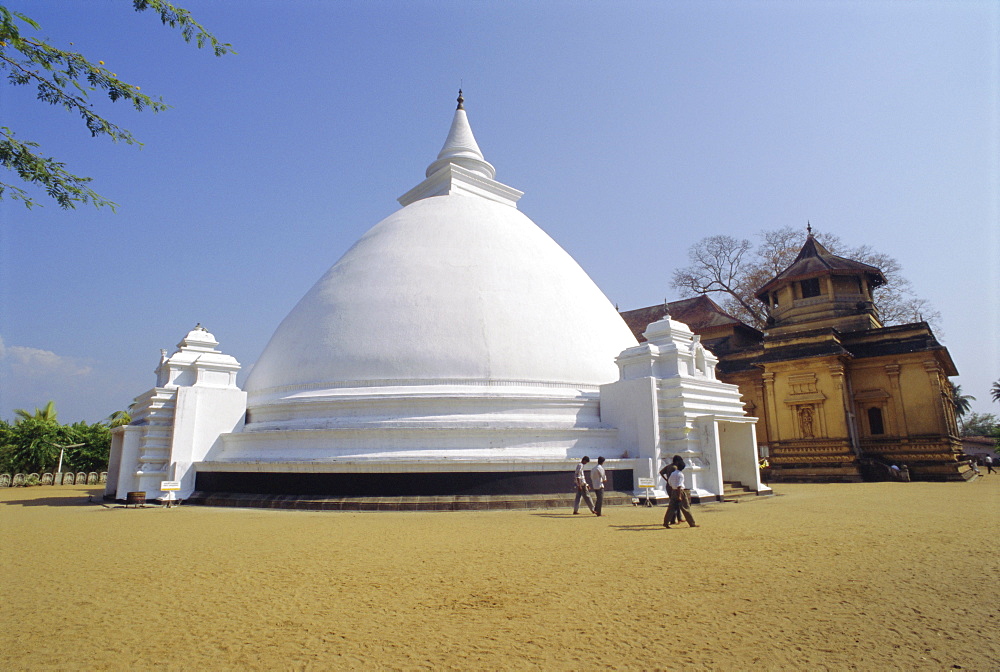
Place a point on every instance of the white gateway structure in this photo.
(454, 349)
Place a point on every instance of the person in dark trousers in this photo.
(989, 464)
(678, 498)
(676, 462)
(598, 478)
(580, 480)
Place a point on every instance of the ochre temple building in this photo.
(839, 395)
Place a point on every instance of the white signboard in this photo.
(647, 482)
(170, 485)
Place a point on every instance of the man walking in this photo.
(582, 487)
(665, 472)
(989, 464)
(678, 498)
(598, 479)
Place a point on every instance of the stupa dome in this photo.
(450, 288)
(458, 287)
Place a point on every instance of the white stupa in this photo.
(455, 335)
(454, 349)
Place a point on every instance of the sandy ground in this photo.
(820, 577)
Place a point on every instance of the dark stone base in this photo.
(398, 484)
(427, 503)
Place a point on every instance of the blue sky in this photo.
(635, 129)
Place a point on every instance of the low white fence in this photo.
(67, 478)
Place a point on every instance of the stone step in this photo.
(733, 491)
(846, 472)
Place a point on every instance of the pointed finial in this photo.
(809, 228)
(666, 309)
(461, 100)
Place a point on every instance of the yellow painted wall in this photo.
(911, 407)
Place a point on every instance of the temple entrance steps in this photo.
(734, 491)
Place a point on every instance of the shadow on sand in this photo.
(649, 527)
(39, 497)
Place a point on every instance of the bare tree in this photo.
(733, 269)
(719, 265)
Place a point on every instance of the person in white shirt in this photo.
(665, 473)
(678, 498)
(581, 486)
(598, 479)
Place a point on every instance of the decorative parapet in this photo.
(197, 363)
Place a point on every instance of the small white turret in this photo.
(177, 423)
(197, 362)
(668, 401)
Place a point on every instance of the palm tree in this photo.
(47, 414)
(996, 392)
(118, 418)
(961, 402)
(30, 446)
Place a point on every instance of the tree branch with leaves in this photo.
(68, 79)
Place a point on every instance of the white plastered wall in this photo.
(203, 414)
(123, 461)
(738, 464)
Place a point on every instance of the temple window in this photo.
(875, 423)
(810, 288)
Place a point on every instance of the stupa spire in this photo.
(460, 168)
(461, 148)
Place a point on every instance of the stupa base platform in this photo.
(942, 472)
(856, 472)
(422, 503)
(847, 472)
